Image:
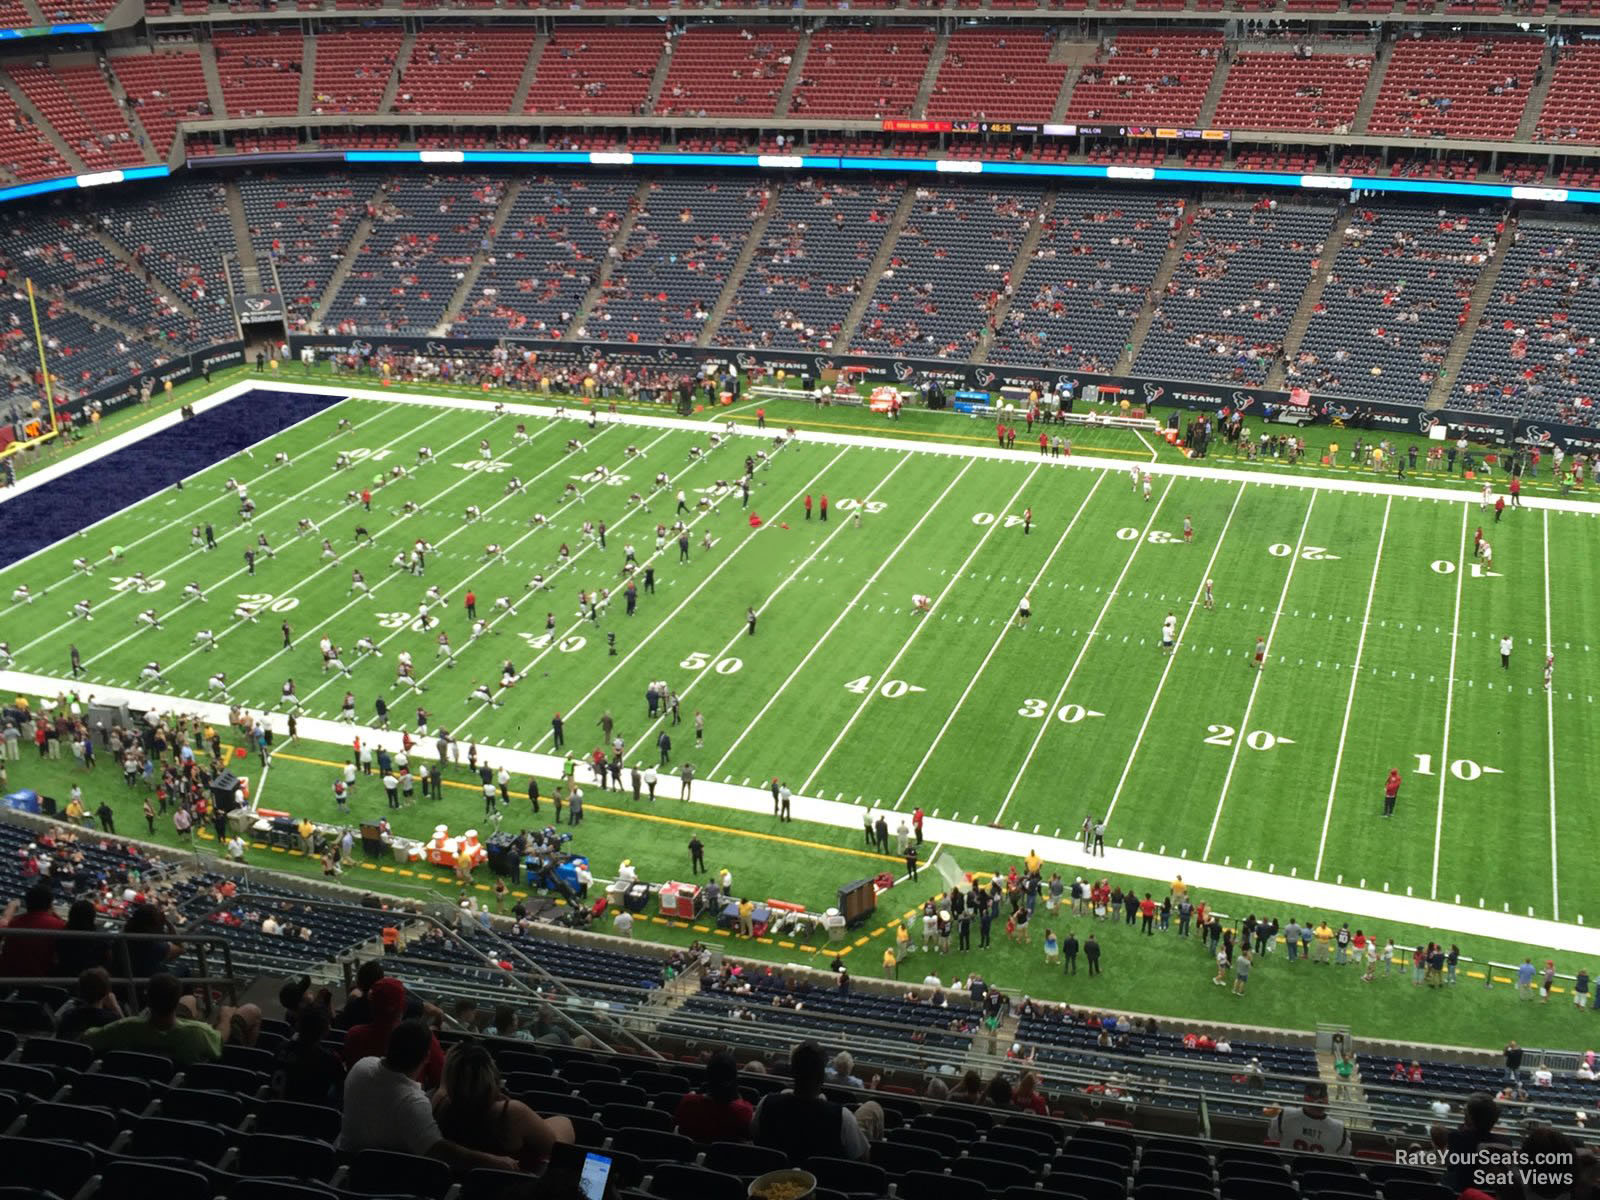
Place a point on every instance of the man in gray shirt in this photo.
(1291, 938)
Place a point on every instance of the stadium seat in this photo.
(163, 1137)
(116, 1092)
(929, 1185)
(52, 1052)
(656, 1146)
(852, 1178)
(46, 1165)
(192, 1104)
(27, 1081)
(993, 1172)
(745, 1160)
(635, 1116)
(71, 1123)
(387, 1173)
(680, 1181)
(486, 1184)
(138, 1065)
(124, 1179)
(280, 1156)
(299, 1120)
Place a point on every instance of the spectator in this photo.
(1309, 1128)
(357, 1009)
(76, 955)
(159, 1030)
(1028, 1097)
(94, 1005)
(841, 1071)
(473, 1111)
(1478, 1120)
(369, 1040)
(148, 956)
(717, 1112)
(32, 957)
(308, 1071)
(505, 1024)
(800, 1121)
(385, 1108)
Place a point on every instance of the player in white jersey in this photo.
(358, 583)
(1486, 496)
(508, 674)
(151, 671)
(81, 609)
(479, 628)
(366, 645)
(140, 583)
(423, 619)
(325, 645)
(1206, 597)
(1188, 530)
(574, 445)
(502, 604)
(1549, 670)
(1486, 552)
(434, 595)
(519, 434)
(538, 520)
(305, 525)
(84, 565)
(150, 618)
(484, 452)
(493, 550)
(344, 426)
(444, 650)
(400, 562)
(230, 484)
(347, 709)
(1169, 633)
(329, 554)
(513, 485)
(482, 695)
(336, 661)
(1024, 610)
(191, 591)
(1133, 474)
(280, 459)
(264, 546)
(245, 612)
(219, 683)
(536, 583)
(287, 695)
(662, 480)
(23, 595)
(410, 506)
(205, 639)
(1146, 485)
(196, 540)
(5, 654)
(922, 603)
(341, 461)
(424, 454)
(473, 513)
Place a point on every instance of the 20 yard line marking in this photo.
(1194, 604)
(1111, 594)
(888, 671)
(1449, 704)
(1255, 684)
(1550, 721)
(1004, 629)
(837, 621)
(1350, 700)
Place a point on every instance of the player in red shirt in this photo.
(1391, 790)
(1516, 491)
(471, 602)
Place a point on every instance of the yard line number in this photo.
(986, 518)
(698, 660)
(889, 689)
(1068, 714)
(127, 583)
(1156, 537)
(567, 645)
(1463, 769)
(258, 601)
(1256, 739)
(1314, 553)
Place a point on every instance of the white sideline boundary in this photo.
(1308, 897)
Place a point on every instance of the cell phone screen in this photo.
(596, 1170)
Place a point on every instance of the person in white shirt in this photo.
(385, 1107)
(1024, 610)
(1169, 633)
(1507, 644)
(205, 638)
(1310, 1129)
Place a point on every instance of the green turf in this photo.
(846, 691)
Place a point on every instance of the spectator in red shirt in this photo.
(30, 958)
(1147, 915)
(716, 1113)
(388, 1000)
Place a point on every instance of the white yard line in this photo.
(1194, 606)
(1449, 704)
(839, 527)
(1550, 723)
(1094, 630)
(1140, 435)
(684, 603)
(1243, 730)
(837, 621)
(1004, 629)
(1350, 700)
(955, 577)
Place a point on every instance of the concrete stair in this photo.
(402, 60)
(120, 94)
(1369, 98)
(603, 276)
(1312, 296)
(529, 70)
(919, 106)
(308, 74)
(1019, 268)
(463, 290)
(880, 261)
(797, 66)
(1208, 106)
(47, 130)
(1535, 105)
(747, 253)
(1158, 288)
(1488, 279)
(208, 65)
(241, 239)
(347, 262)
(659, 79)
(36, 16)
(1076, 55)
(120, 252)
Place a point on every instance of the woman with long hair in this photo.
(473, 1111)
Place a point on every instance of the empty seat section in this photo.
(352, 70)
(1145, 77)
(304, 225)
(260, 71)
(596, 69)
(1005, 74)
(1292, 91)
(718, 71)
(1456, 87)
(862, 72)
(1570, 113)
(464, 70)
(163, 89)
(78, 103)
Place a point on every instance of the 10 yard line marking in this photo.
(1350, 700)
(1255, 685)
(1449, 703)
(1111, 594)
(921, 625)
(837, 621)
(1004, 629)
(1138, 740)
(1550, 722)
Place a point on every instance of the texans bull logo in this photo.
(984, 377)
(822, 364)
(902, 370)
(1243, 400)
(746, 362)
(1153, 392)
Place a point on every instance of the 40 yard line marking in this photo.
(1449, 703)
(888, 671)
(1004, 629)
(837, 621)
(1350, 700)
(1255, 684)
(1111, 594)
(1127, 768)
(1550, 721)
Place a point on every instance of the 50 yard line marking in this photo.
(1350, 700)
(921, 625)
(1111, 594)
(1449, 703)
(1550, 721)
(1127, 768)
(837, 621)
(1004, 629)
(1255, 684)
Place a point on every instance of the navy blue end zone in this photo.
(43, 516)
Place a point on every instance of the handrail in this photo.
(125, 976)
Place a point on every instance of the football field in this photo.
(1381, 633)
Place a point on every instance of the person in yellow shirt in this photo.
(747, 926)
(1035, 863)
(1324, 936)
(307, 829)
(902, 942)
(1180, 889)
(891, 965)
(75, 810)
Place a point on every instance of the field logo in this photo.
(746, 362)
(984, 376)
(1425, 422)
(1152, 392)
(822, 364)
(903, 370)
(1537, 433)
(1243, 400)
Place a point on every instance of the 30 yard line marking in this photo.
(1255, 684)
(1350, 700)
(1004, 629)
(1111, 594)
(1194, 604)
(1449, 703)
(837, 621)
(888, 671)
(1550, 720)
